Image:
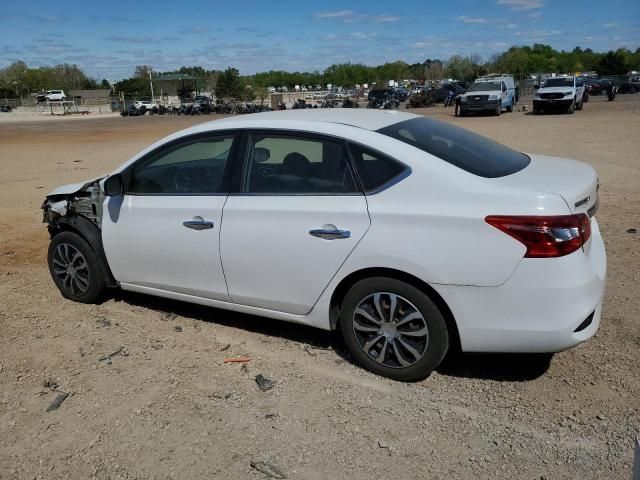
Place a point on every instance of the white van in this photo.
(490, 93)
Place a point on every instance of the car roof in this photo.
(367, 119)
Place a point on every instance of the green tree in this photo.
(229, 84)
(612, 63)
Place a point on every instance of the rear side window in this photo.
(375, 169)
(290, 165)
(464, 149)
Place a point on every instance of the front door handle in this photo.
(330, 232)
(198, 223)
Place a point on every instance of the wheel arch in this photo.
(89, 232)
(347, 282)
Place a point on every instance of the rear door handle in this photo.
(330, 232)
(198, 223)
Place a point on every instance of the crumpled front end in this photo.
(83, 200)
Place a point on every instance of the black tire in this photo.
(580, 105)
(432, 348)
(572, 108)
(87, 266)
(510, 108)
(498, 110)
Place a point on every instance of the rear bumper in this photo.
(542, 307)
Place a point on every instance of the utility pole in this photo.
(153, 98)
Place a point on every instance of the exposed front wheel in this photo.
(572, 107)
(393, 329)
(498, 110)
(75, 268)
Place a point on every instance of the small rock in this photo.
(177, 328)
(600, 417)
(225, 347)
(383, 444)
(632, 230)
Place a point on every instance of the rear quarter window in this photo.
(376, 170)
(466, 150)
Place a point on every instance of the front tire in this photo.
(572, 107)
(75, 268)
(393, 329)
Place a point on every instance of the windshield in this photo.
(464, 149)
(484, 87)
(558, 82)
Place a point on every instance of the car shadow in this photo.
(498, 367)
(502, 367)
(252, 323)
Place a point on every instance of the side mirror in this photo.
(113, 186)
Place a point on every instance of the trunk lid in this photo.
(576, 182)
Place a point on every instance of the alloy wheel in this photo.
(390, 330)
(70, 266)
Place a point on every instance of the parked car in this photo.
(383, 98)
(440, 94)
(204, 104)
(565, 93)
(595, 86)
(144, 105)
(55, 96)
(406, 234)
(489, 95)
(628, 87)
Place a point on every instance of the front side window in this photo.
(195, 166)
(282, 164)
(464, 149)
(374, 168)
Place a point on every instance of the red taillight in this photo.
(545, 236)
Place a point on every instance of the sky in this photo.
(108, 39)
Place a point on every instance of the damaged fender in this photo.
(78, 208)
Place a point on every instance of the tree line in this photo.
(18, 79)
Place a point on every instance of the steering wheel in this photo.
(266, 171)
(191, 180)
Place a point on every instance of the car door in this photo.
(163, 233)
(298, 214)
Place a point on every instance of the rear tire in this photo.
(75, 268)
(406, 345)
(510, 108)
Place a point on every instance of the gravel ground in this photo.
(165, 405)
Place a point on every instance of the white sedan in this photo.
(409, 235)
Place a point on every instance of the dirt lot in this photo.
(167, 407)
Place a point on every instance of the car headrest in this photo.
(261, 154)
(295, 163)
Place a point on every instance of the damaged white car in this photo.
(407, 234)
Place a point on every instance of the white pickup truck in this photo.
(559, 92)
